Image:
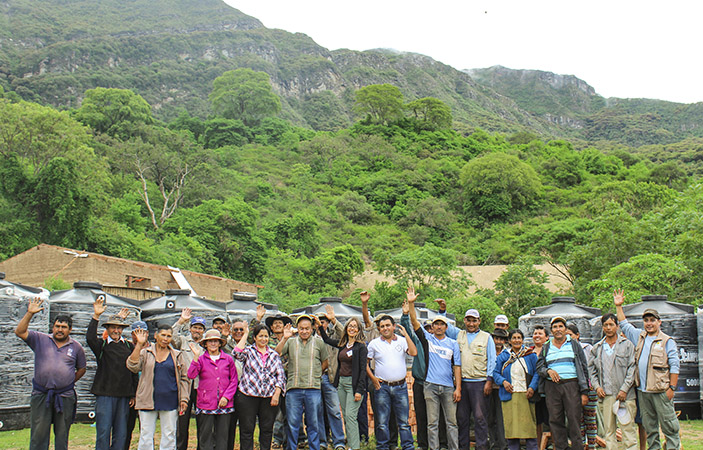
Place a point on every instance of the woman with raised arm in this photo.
(163, 388)
(516, 373)
(350, 379)
(217, 384)
(260, 389)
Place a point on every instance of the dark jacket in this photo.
(112, 378)
(359, 356)
(579, 360)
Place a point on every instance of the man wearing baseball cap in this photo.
(657, 361)
(442, 388)
(187, 341)
(114, 386)
(501, 322)
(478, 360)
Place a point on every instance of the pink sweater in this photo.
(216, 380)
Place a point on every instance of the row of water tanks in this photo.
(17, 359)
(680, 321)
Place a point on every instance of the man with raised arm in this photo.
(307, 360)
(59, 362)
(478, 359)
(442, 387)
(391, 391)
(114, 386)
(657, 361)
(188, 342)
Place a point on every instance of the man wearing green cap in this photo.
(657, 361)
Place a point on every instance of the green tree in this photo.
(113, 111)
(299, 233)
(431, 113)
(498, 185)
(381, 103)
(62, 208)
(520, 288)
(244, 95)
(646, 274)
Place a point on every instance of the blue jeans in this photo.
(395, 397)
(333, 411)
(297, 402)
(111, 421)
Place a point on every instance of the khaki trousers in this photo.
(611, 424)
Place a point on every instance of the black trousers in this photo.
(564, 403)
(233, 421)
(184, 422)
(131, 422)
(421, 418)
(213, 431)
(496, 428)
(253, 408)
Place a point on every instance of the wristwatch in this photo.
(672, 387)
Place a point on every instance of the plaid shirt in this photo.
(258, 379)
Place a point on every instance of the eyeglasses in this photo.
(238, 329)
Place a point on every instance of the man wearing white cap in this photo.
(657, 361)
(478, 360)
(501, 322)
(611, 368)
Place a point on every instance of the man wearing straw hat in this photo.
(114, 386)
(657, 361)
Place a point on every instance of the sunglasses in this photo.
(237, 329)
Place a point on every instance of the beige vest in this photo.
(658, 364)
(474, 357)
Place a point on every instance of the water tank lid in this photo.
(330, 300)
(563, 300)
(177, 292)
(420, 305)
(2, 275)
(87, 285)
(244, 296)
(653, 298)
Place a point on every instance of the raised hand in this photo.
(288, 331)
(260, 312)
(124, 313)
(316, 322)
(619, 297)
(186, 315)
(402, 329)
(441, 303)
(194, 348)
(410, 295)
(405, 307)
(329, 313)
(35, 305)
(141, 336)
(364, 297)
(226, 329)
(99, 306)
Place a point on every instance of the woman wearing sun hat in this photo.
(217, 384)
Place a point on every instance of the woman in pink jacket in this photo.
(216, 387)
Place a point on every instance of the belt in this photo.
(393, 383)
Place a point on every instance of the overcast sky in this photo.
(622, 48)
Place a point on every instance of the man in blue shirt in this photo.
(658, 364)
(478, 360)
(443, 380)
(563, 367)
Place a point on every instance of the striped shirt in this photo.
(562, 360)
(260, 376)
(304, 362)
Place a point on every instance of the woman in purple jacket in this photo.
(217, 385)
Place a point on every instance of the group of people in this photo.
(321, 373)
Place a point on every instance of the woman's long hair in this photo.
(345, 336)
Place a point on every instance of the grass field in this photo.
(83, 437)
